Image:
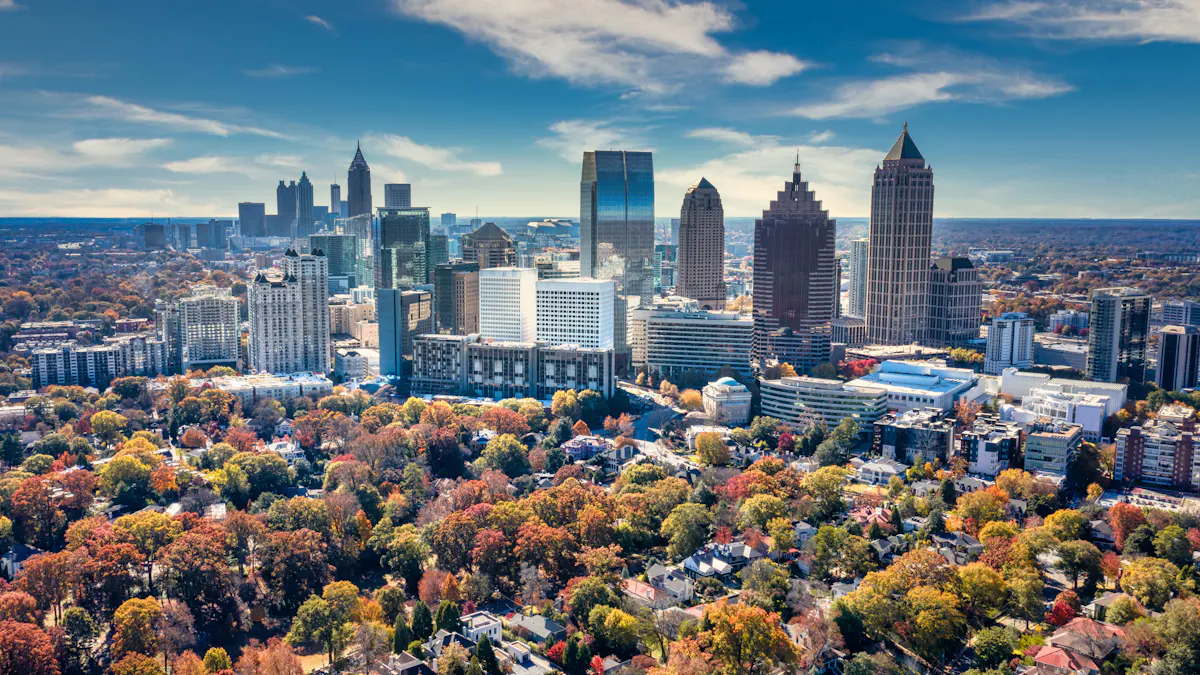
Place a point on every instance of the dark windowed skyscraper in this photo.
(285, 206)
(358, 185)
(335, 201)
(794, 271)
(402, 246)
(702, 247)
(616, 229)
(305, 224)
(252, 219)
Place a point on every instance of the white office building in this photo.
(671, 343)
(1181, 313)
(289, 316)
(801, 401)
(576, 312)
(208, 328)
(1009, 343)
(922, 384)
(508, 304)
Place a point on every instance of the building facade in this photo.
(1009, 343)
(508, 304)
(914, 437)
(576, 312)
(306, 224)
(673, 343)
(341, 250)
(358, 186)
(285, 207)
(727, 402)
(402, 244)
(1180, 313)
(801, 401)
(252, 219)
(955, 301)
(1161, 451)
(1117, 335)
(794, 271)
(859, 259)
(209, 334)
(456, 297)
(403, 315)
(1178, 358)
(848, 330)
(1051, 447)
(397, 195)
(989, 445)
(701, 261)
(901, 236)
(489, 246)
(289, 316)
(97, 366)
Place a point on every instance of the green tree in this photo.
(711, 449)
(686, 529)
(1079, 559)
(217, 659)
(448, 617)
(422, 621)
(995, 646)
(507, 454)
(1171, 543)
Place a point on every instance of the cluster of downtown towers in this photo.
(796, 276)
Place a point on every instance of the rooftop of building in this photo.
(904, 148)
(809, 383)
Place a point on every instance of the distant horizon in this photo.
(657, 219)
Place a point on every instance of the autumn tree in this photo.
(25, 649)
(135, 626)
(150, 532)
(747, 639)
(711, 449)
(294, 565)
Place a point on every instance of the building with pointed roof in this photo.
(901, 236)
(489, 246)
(794, 272)
(358, 184)
(701, 252)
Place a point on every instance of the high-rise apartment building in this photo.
(1181, 313)
(576, 312)
(1178, 358)
(252, 219)
(859, 256)
(616, 229)
(701, 269)
(397, 195)
(794, 244)
(489, 246)
(166, 329)
(1161, 451)
(285, 206)
(1009, 343)
(402, 248)
(955, 301)
(213, 234)
(335, 201)
(1118, 332)
(208, 328)
(358, 186)
(508, 304)
(901, 234)
(306, 224)
(403, 315)
(456, 297)
(289, 316)
(341, 250)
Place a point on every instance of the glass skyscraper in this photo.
(616, 229)
(402, 246)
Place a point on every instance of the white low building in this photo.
(727, 402)
(288, 450)
(880, 471)
(801, 401)
(922, 384)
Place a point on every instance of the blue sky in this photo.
(1082, 108)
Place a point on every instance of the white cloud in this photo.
(6, 5)
(762, 68)
(209, 164)
(877, 98)
(574, 137)
(649, 45)
(38, 160)
(722, 135)
(112, 108)
(1141, 20)
(117, 150)
(107, 203)
(318, 21)
(819, 137)
(443, 159)
(748, 180)
(277, 70)
(282, 161)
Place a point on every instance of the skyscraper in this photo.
(449, 221)
(456, 297)
(289, 316)
(305, 224)
(701, 251)
(794, 244)
(439, 250)
(358, 181)
(616, 230)
(285, 206)
(341, 250)
(403, 315)
(955, 300)
(208, 328)
(1117, 335)
(1009, 343)
(402, 248)
(1178, 358)
(397, 195)
(901, 235)
(489, 246)
(575, 312)
(335, 201)
(858, 278)
(252, 219)
(508, 304)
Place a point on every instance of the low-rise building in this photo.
(477, 625)
(989, 445)
(921, 384)
(915, 436)
(1051, 447)
(880, 471)
(673, 343)
(848, 330)
(727, 401)
(1160, 451)
(721, 561)
(803, 400)
(348, 364)
(249, 389)
(290, 451)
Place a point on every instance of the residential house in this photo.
(481, 624)
(1051, 660)
(520, 660)
(721, 561)
(1098, 608)
(844, 588)
(645, 594)
(12, 561)
(924, 488)
(537, 628)
(880, 471)
(582, 448)
(617, 457)
(871, 515)
(406, 664)
(966, 484)
(672, 580)
(290, 452)
(957, 547)
(1089, 637)
(1102, 534)
(442, 639)
(804, 532)
(887, 548)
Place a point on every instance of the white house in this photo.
(880, 471)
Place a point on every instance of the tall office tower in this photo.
(1009, 343)
(252, 219)
(1119, 327)
(402, 248)
(837, 288)
(1178, 358)
(1181, 313)
(616, 230)
(305, 223)
(358, 185)
(489, 246)
(439, 250)
(666, 267)
(456, 297)
(449, 221)
(213, 234)
(166, 328)
(901, 233)
(702, 247)
(794, 246)
(285, 206)
(152, 235)
(675, 224)
(335, 201)
(403, 315)
(576, 312)
(955, 299)
(508, 304)
(208, 328)
(858, 278)
(289, 316)
(179, 235)
(341, 250)
(397, 195)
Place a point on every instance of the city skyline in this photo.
(1009, 98)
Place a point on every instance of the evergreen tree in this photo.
(486, 657)
(402, 634)
(473, 668)
(949, 493)
(448, 617)
(577, 656)
(422, 621)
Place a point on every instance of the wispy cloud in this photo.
(8, 5)
(105, 203)
(819, 137)
(1140, 20)
(43, 160)
(117, 150)
(722, 135)
(210, 164)
(443, 159)
(649, 45)
(277, 70)
(574, 137)
(282, 161)
(318, 21)
(112, 108)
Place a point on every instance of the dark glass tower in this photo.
(285, 206)
(358, 185)
(305, 224)
(616, 229)
(402, 245)
(794, 271)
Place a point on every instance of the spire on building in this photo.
(904, 148)
(359, 161)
